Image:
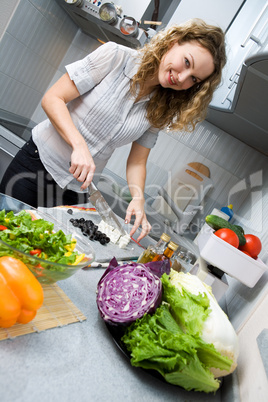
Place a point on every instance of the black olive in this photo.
(88, 228)
(70, 211)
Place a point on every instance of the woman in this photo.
(113, 97)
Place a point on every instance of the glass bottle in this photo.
(182, 260)
(153, 250)
(174, 261)
(171, 248)
(176, 265)
(178, 260)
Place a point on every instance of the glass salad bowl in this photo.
(50, 250)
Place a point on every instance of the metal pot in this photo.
(77, 3)
(129, 26)
(107, 13)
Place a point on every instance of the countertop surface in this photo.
(80, 361)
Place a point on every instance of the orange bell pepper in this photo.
(21, 293)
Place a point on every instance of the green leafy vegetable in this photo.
(170, 342)
(190, 310)
(25, 234)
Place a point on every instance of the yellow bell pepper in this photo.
(79, 258)
(71, 246)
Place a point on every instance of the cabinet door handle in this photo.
(250, 35)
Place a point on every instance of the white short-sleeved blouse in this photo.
(105, 113)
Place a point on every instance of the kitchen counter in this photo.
(81, 362)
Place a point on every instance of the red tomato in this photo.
(253, 245)
(229, 236)
(36, 251)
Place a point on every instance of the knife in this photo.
(104, 210)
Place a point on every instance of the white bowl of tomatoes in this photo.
(221, 249)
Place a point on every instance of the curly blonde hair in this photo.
(179, 110)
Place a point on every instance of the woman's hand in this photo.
(136, 207)
(82, 166)
(136, 174)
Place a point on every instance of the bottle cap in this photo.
(165, 237)
(173, 246)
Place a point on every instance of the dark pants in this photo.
(27, 180)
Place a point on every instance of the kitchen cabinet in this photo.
(215, 12)
(9, 146)
(14, 132)
(239, 105)
(247, 120)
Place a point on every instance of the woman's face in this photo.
(185, 65)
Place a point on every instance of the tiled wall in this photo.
(38, 41)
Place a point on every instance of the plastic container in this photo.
(229, 259)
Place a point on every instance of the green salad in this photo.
(179, 340)
(36, 237)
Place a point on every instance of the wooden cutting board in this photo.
(184, 188)
(199, 167)
(187, 193)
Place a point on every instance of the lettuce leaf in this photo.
(169, 341)
(190, 310)
(25, 234)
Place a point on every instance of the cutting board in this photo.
(187, 186)
(103, 253)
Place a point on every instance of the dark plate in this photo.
(117, 332)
